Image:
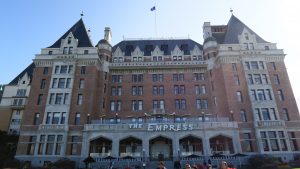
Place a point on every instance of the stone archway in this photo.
(190, 145)
(101, 147)
(130, 146)
(160, 148)
(221, 145)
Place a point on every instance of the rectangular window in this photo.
(40, 99)
(181, 77)
(261, 94)
(63, 69)
(119, 105)
(70, 50)
(112, 106)
(67, 98)
(134, 90)
(56, 70)
(261, 65)
(243, 115)
(58, 98)
(233, 66)
(183, 104)
(82, 70)
(137, 78)
(45, 71)
(50, 144)
(63, 118)
(273, 113)
(61, 83)
(265, 114)
(182, 89)
(36, 120)
(268, 94)
(113, 91)
(43, 84)
(257, 115)
(285, 114)
(81, 83)
(276, 79)
(140, 90)
(74, 143)
(280, 95)
(264, 79)
(204, 104)
(273, 65)
(48, 118)
(77, 119)
(177, 104)
(86, 52)
(247, 64)
(249, 79)
(254, 65)
(247, 143)
(239, 96)
(161, 90)
(155, 104)
(175, 77)
(154, 78)
(68, 83)
(31, 145)
(161, 104)
(58, 144)
(133, 105)
(198, 104)
(119, 91)
(65, 51)
(176, 89)
(70, 69)
(257, 79)
(41, 144)
(140, 105)
(79, 99)
(54, 83)
(293, 141)
(253, 95)
(161, 77)
(55, 118)
(236, 80)
(264, 141)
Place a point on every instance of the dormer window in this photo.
(69, 40)
(148, 50)
(65, 50)
(179, 57)
(128, 50)
(174, 58)
(246, 36)
(164, 48)
(184, 48)
(70, 50)
(267, 48)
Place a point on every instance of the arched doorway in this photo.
(130, 147)
(160, 148)
(101, 147)
(190, 145)
(221, 144)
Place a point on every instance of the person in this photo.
(194, 166)
(209, 166)
(161, 165)
(177, 165)
(223, 165)
(187, 166)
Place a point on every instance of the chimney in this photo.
(206, 30)
(107, 34)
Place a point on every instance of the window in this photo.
(58, 145)
(257, 79)
(236, 80)
(81, 83)
(253, 95)
(246, 36)
(43, 84)
(264, 141)
(257, 115)
(63, 118)
(40, 99)
(161, 77)
(199, 76)
(55, 117)
(239, 96)
(36, 120)
(273, 65)
(65, 50)
(268, 94)
(54, 83)
(276, 79)
(119, 91)
(198, 104)
(41, 144)
(230, 48)
(175, 77)
(31, 145)
(183, 104)
(280, 95)
(119, 105)
(247, 142)
(265, 114)
(161, 90)
(70, 50)
(246, 47)
(155, 104)
(86, 52)
(154, 78)
(247, 65)
(50, 144)
(161, 104)
(282, 141)
(117, 78)
(140, 105)
(134, 90)
(261, 65)
(50, 52)
(133, 105)
(77, 119)
(264, 79)
(261, 95)
(285, 114)
(249, 79)
(21, 92)
(273, 113)
(182, 89)
(273, 141)
(70, 70)
(181, 77)
(45, 71)
(251, 46)
(233, 66)
(79, 99)
(61, 83)
(177, 104)
(82, 70)
(63, 69)
(243, 115)
(293, 141)
(267, 48)
(75, 140)
(58, 98)
(137, 78)
(254, 65)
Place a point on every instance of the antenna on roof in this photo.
(81, 14)
(231, 11)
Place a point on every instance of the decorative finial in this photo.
(231, 11)
(81, 14)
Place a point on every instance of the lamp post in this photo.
(203, 116)
(88, 118)
(145, 116)
(231, 115)
(174, 114)
(116, 118)
(144, 160)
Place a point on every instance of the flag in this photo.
(153, 8)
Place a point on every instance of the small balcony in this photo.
(18, 103)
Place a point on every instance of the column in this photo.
(115, 148)
(85, 145)
(206, 146)
(176, 148)
(145, 145)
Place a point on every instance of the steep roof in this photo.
(170, 43)
(234, 28)
(28, 70)
(79, 32)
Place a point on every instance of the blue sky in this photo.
(27, 26)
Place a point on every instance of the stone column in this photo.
(115, 147)
(145, 148)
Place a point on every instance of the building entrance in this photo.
(160, 149)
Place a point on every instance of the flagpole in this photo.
(155, 20)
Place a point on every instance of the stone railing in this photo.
(162, 63)
(53, 127)
(273, 123)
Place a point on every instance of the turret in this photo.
(104, 46)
